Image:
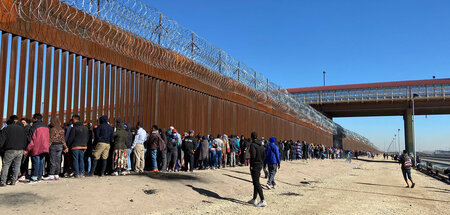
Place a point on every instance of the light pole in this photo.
(324, 78)
(398, 135)
(414, 135)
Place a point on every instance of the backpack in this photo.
(408, 162)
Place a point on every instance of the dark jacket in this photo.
(104, 132)
(154, 140)
(40, 138)
(120, 137)
(172, 144)
(233, 145)
(13, 137)
(78, 137)
(189, 145)
(257, 154)
(204, 145)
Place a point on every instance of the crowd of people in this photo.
(77, 149)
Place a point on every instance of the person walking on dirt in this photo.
(406, 163)
(257, 156)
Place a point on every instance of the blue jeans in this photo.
(38, 167)
(78, 161)
(129, 158)
(218, 158)
(212, 158)
(154, 163)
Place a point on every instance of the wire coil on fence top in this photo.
(132, 28)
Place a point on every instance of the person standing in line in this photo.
(120, 155)
(139, 148)
(257, 157)
(154, 142)
(225, 150)
(25, 158)
(189, 147)
(13, 141)
(203, 154)
(272, 161)
(57, 146)
(162, 149)
(104, 135)
(77, 142)
(172, 151)
(38, 147)
(406, 163)
(219, 143)
(233, 147)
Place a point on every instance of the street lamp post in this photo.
(398, 136)
(413, 121)
(324, 78)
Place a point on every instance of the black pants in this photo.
(55, 158)
(188, 159)
(172, 157)
(257, 189)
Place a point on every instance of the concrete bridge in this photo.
(401, 98)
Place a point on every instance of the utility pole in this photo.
(324, 78)
(398, 136)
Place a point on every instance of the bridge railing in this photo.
(434, 91)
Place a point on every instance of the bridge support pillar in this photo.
(409, 131)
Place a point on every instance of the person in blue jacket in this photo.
(272, 161)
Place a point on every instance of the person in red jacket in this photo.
(38, 147)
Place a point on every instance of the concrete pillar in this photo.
(409, 131)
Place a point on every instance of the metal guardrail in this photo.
(435, 91)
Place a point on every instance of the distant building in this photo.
(441, 152)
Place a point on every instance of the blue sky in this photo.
(354, 41)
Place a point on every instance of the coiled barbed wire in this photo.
(132, 28)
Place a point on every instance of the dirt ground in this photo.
(313, 187)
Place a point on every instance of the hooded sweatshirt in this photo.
(13, 137)
(104, 132)
(257, 154)
(40, 139)
(120, 137)
(56, 133)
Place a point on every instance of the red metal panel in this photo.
(89, 91)
(101, 89)
(141, 110)
(76, 88)
(70, 87)
(62, 92)
(106, 105)
(39, 79)
(95, 90)
(114, 94)
(123, 80)
(12, 76)
(83, 90)
(22, 74)
(48, 70)
(30, 82)
(131, 98)
(55, 73)
(3, 64)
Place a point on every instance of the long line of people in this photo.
(79, 149)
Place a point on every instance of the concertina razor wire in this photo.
(121, 24)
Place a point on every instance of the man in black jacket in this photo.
(77, 142)
(103, 137)
(13, 140)
(257, 156)
(189, 147)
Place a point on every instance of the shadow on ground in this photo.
(172, 176)
(212, 194)
(377, 161)
(379, 185)
(18, 199)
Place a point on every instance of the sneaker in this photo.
(262, 204)
(274, 186)
(413, 184)
(49, 178)
(22, 178)
(33, 182)
(124, 173)
(56, 177)
(115, 174)
(252, 202)
(155, 170)
(268, 186)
